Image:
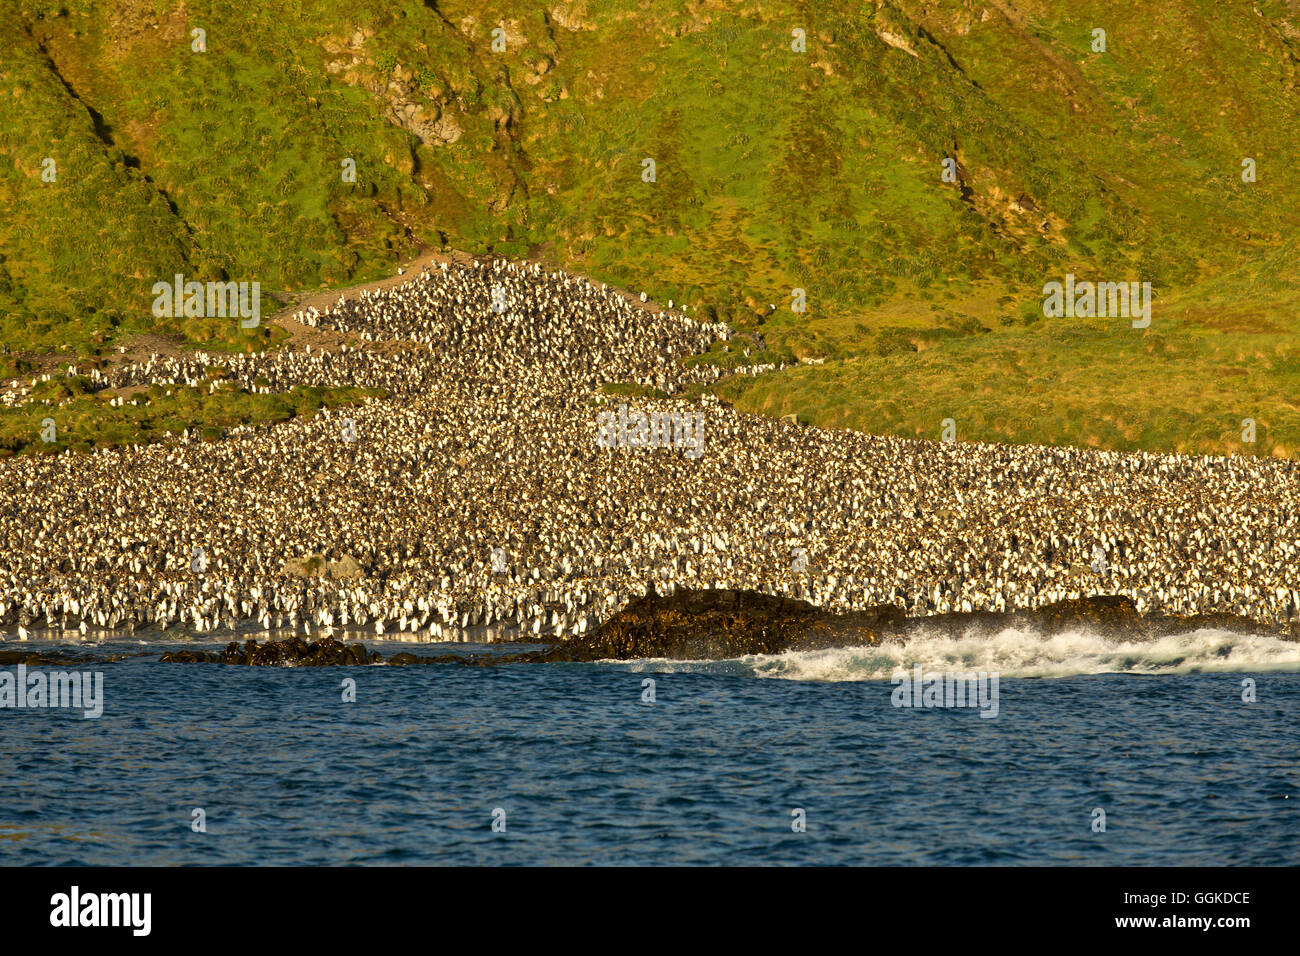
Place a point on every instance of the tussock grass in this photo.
(775, 170)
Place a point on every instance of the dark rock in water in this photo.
(190, 657)
(718, 624)
(472, 660)
(1115, 615)
(294, 652)
(56, 658)
(713, 624)
(1226, 622)
(33, 658)
(1103, 612)
(1108, 615)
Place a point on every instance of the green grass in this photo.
(83, 422)
(775, 170)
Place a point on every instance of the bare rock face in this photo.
(428, 122)
(571, 16)
(443, 132)
(895, 40)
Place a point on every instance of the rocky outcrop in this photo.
(698, 625)
(315, 565)
(712, 624)
(895, 40)
(345, 568)
(60, 658)
(308, 566)
(571, 16)
(425, 120)
(294, 652)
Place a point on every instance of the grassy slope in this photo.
(775, 170)
(83, 421)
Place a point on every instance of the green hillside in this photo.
(818, 169)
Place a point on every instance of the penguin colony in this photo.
(487, 445)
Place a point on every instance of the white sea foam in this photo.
(1011, 653)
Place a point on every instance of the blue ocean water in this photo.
(587, 772)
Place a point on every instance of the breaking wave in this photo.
(1011, 653)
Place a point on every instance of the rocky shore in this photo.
(719, 624)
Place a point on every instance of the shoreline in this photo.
(691, 625)
(964, 622)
